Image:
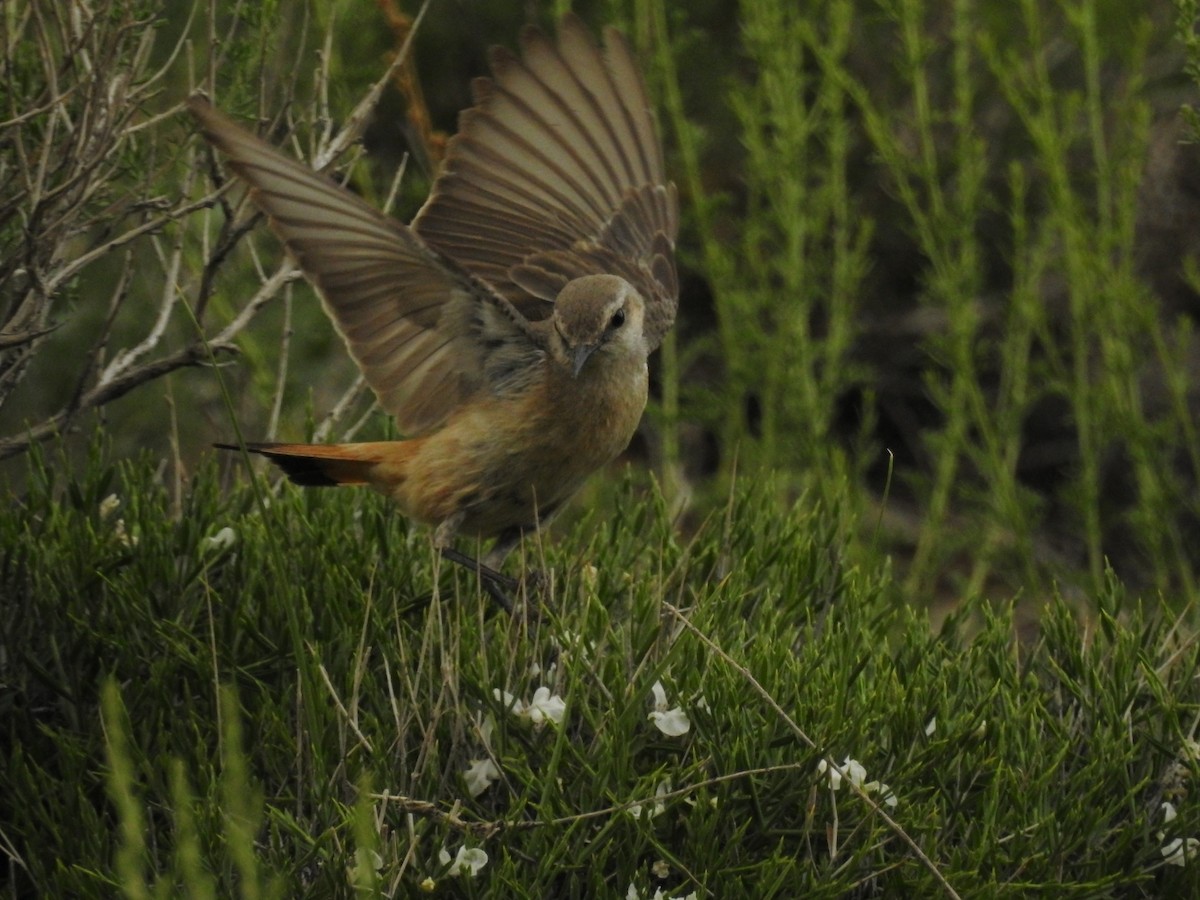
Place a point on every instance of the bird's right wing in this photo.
(416, 323)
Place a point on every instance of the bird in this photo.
(507, 329)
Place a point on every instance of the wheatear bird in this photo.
(506, 329)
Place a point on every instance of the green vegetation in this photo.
(276, 710)
(925, 434)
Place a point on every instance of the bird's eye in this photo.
(617, 320)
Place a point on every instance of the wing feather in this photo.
(557, 172)
(392, 298)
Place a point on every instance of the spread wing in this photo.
(419, 326)
(556, 172)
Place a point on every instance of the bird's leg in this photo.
(493, 582)
(505, 543)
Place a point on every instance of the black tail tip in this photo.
(305, 471)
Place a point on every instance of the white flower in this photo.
(511, 703)
(931, 727)
(658, 695)
(466, 862)
(480, 775)
(109, 505)
(664, 788)
(124, 538)
(889, 799)
(671, 722)
(1177, 851)
(660, 869)
(546, 707)
(1180, 852)
(222, 540)
(852, 767)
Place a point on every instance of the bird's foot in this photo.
(496, 584)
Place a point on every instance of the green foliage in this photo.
(1011, 143)
(283, 710)
(919, 224)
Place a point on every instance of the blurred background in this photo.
(938, 259)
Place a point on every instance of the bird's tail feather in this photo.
(321, 465)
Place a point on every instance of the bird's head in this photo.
(598, 313)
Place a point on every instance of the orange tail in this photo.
(325, 465)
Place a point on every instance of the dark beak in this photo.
(580, 356)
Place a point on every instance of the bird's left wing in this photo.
(557, 172)
(415, 322)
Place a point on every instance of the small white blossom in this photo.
(480, 775)
(511, 703)
(889, 799)
(546, 707)
(660, 869)
(124, 538)
(664, 788)
(852, 767)
(222, 540)
(466, 862)
(109, 505)
(658, 695)
(931, 727)
(671, 722)
(1179, 852)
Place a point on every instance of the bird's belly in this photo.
(511, 462)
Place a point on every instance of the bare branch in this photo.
(93, 187)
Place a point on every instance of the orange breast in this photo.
(506, 462)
